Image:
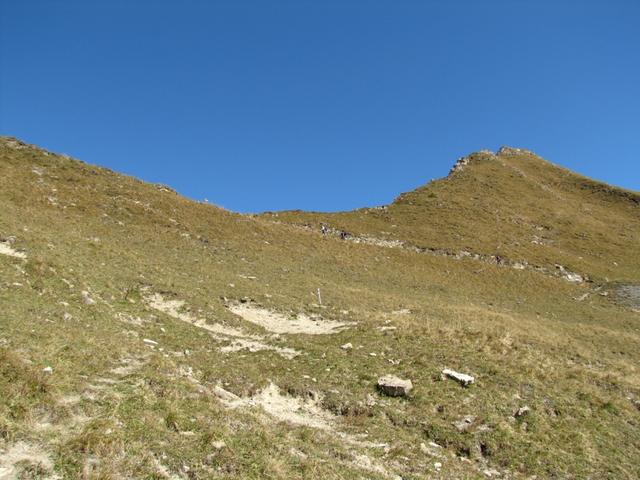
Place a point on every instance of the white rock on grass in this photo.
(461, 378)
(87, 299)
(48, 370)
(149, 342)
(346, 346)
(522, 411)
(433, 449)
(6, 249)
(464, 423)
(393, 386)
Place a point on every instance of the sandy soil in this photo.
(278, 323)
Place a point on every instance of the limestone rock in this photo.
(461, 378)
(464, 423)
(394, 387)
(87, 299)
(459, 165)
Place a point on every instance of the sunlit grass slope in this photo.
(98, 381)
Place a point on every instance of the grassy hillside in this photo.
(122, 357)
(513, 205)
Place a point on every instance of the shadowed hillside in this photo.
(144, 335)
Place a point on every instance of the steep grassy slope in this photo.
(124, 288)
(513, 205)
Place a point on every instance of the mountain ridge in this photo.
(504, 150)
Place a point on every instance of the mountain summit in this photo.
(484, 325)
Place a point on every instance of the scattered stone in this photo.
(433, 449)
(67, 316)
(437, 465)
(461, 378)
(247, 277)
(582, 297)
(465, 423)
(87, 299)
(491, 473)
(394, 387)
(219, 445)
(522, 411)
(570, 276)
(48, 370)
(224, 395)
(386, 328)
(149, 342)
(346, 346)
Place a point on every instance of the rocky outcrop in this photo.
(459, 165)
(505, 150)
(462, 162)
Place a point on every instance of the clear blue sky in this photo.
(321, 105)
